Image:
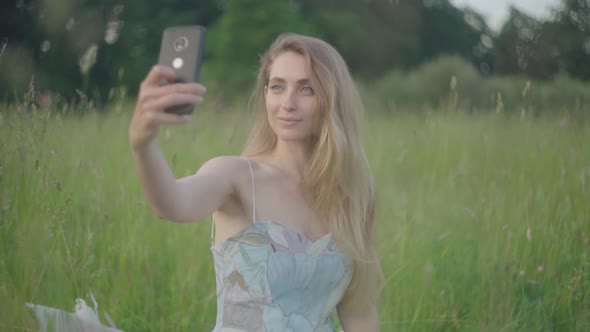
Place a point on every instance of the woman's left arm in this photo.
(368, 321)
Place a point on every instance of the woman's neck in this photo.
(292, 158)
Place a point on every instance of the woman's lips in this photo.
(289, 121)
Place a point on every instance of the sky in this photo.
(496, 11)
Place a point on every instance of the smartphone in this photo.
(182, 49)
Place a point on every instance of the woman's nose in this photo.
(288, 101)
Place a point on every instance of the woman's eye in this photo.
(276, 88)
(307, 90)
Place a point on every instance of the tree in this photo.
(543, 50)
(236, 41)
(571, 35)
(372, 36)
(523, 47)
(450, 30)
(47, 40)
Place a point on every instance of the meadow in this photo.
(483, 220)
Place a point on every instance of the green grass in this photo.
(483, 221)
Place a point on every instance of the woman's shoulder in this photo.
(223, 164)
(230, 169)
(235, 166)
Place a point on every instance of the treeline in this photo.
(101, 49)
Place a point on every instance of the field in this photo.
(483, 220)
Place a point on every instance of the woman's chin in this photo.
(293, 137)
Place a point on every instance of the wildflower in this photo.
(528, 233)
(88, 59)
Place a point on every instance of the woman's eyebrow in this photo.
(282, 80)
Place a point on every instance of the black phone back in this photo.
(182, 49)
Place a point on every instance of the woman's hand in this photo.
(154, 98)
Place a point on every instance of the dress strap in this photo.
(212, 230)
(253, 191)
(253, 205)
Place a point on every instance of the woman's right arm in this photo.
(189, 199)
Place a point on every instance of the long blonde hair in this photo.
(338, 175)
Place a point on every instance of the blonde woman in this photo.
(293, 215)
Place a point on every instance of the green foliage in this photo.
(546, 49)
(379, 35)
(518, 47)
(450, 30)
(451, 81)
(237, 40)
(371, 36)
(45, 41)
(562, 94)
(431, 83)
(573, 39)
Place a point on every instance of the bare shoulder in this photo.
(229, 170)
(222, 165)
(218, 181)
(233, 178)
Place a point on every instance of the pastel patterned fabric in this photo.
(272, 278)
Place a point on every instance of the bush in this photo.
(431, 84)
(451, 81)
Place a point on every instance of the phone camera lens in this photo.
(180, 44)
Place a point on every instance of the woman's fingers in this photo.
(157, 74)
(161, 103)
(155, 119)
(153, 100)
(156, 92)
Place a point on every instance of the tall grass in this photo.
(483, 220)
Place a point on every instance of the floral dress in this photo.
(272, 278)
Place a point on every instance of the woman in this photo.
(294, 213)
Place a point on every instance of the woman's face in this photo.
(290, 98)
